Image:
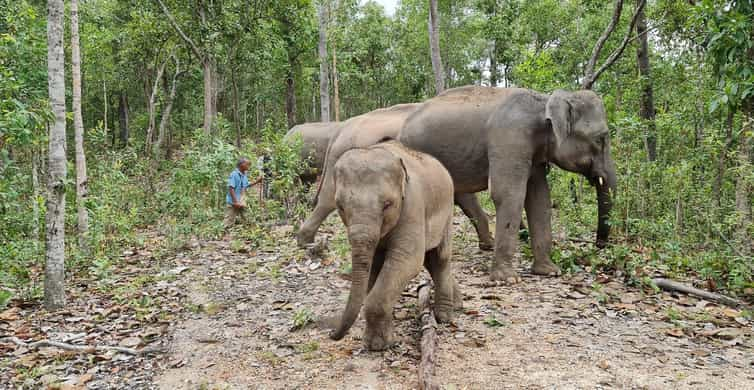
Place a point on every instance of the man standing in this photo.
(237, 185)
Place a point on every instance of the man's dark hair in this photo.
(241, 161)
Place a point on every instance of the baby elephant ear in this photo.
(559, 113)
(405, 178)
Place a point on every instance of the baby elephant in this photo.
(397, 206)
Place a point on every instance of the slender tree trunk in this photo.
(78, 124)
(646, 100)
(35, 192)
(165, 120)
(743, 186)
(123, 121)
(106, 103)
(236, 116)
(209, 98)
(290, 98)
(717, 189)
(54, 284)
(434, 47)
(493, 64)
(324, 77)
(336, 92)
(152, 107)
(258, 114)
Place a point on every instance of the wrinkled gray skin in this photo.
(507, 138)
(397, 206)
(315, 137)
(363, 131)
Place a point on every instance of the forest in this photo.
(120, 121)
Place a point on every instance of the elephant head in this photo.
(369, 193)
(581, 143)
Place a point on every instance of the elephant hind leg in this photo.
(469, 204)
(447, 294)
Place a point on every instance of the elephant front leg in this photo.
(469, 204)
(398, 270)
(508, 193)
(538, 205)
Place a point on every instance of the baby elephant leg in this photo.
(447, 296)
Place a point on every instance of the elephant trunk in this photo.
(605, 191)
(363, 241)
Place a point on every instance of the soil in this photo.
(246, 318)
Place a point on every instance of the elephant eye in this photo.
(387, 205)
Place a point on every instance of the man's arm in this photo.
(233, 197)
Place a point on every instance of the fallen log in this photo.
(79, 348)
(428, 340)
(671, 285)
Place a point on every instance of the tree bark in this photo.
(428, 342)
(123, 122)
(336, 92)
(646, 100)
(434, 47)
(35, 156)
(54, 284)
(743, 186)
(236, 114)
(324, 77)
(106, 103)
(493, 64)
(82, 220)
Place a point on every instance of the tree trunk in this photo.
(54, 287)
(434, 47)
(743, 187)
(646, 100)
(152, 107)
(722, 157)
(324, 77)
(78, 124)
(493, 64)
(336, 92)
(290, 98)
(209, 95)
(236, 116)
(123, 119)
(35, 192)
(165, 120)
(106, 103)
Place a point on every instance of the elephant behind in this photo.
(315, 137)
(508, 138)
(363, 131)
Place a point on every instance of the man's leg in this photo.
(230, 216)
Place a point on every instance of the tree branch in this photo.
(177, 28)
(79, 348)
(603, 38)
(590, 79)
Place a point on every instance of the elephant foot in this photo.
(486, 246)
(304, 238)
(378, 340)
(505, 274)
(444, 315)
(546, 268)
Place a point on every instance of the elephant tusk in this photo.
(599, 179)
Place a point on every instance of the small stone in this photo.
(130, 342)
(395, 364)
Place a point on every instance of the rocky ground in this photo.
(240, 313)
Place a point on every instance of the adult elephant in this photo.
(315, 137)
(363, 131)
(508, 138)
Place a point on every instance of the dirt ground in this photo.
(245, 320)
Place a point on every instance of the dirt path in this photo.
(579, 331)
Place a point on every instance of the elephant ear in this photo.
(405, 178)
(559, 113)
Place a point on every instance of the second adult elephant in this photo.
(315, 136)
(363, 131)
(508, 138)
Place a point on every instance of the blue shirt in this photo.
(239, 182)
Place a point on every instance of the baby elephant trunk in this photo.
(363, 241)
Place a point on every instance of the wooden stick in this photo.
(670, 285)
(428, 340)
(79, 348)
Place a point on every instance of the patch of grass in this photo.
(345, 267)
(270, 358)
(493, 322)
(250, 268)
(301, 318)
(309, 347)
